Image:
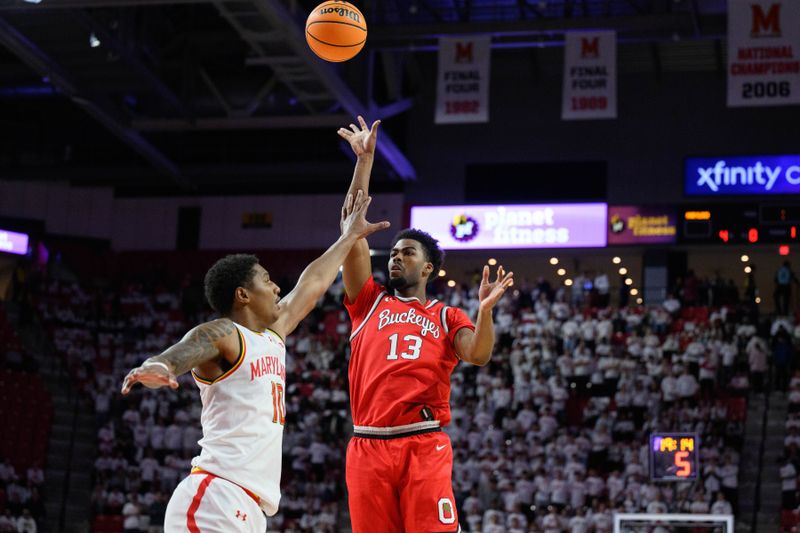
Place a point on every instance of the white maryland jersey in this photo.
(243, 417)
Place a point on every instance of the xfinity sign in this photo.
(742, 175)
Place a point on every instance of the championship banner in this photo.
(590, 75)
(763, 53)
(462, 93)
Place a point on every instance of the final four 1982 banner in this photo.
(463, 84)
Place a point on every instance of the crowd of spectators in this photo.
(26, 412)
(550, 436)
(21, 503)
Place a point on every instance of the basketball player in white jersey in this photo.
(238, 363)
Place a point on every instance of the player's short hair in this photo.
(433, 253)
(224, 277)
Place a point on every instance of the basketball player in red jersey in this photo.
(403, 349)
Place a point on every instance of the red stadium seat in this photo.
(737, 409)
(108, 524)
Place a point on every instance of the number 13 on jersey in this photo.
(411, 347)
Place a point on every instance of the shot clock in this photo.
(674, 456)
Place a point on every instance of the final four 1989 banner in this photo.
(763, 52)
(590, 75)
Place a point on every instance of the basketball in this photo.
(336, 31)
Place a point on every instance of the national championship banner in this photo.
(590, 75)
(462, 93)
(489, 227)
(763, 53)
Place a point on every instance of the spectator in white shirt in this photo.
(686, 385)
(672, 304)
(699, 505)
(26, 523)
(788, 485)
(757, 351)
(669, 390)
(656, 506)
(130, 514)
(721, 506)
(579, 523)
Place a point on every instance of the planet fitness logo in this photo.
(464, 228)
(617, 224)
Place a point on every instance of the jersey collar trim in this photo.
(414, 298)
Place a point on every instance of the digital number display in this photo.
(674, 456)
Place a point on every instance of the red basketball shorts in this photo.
(401, 485)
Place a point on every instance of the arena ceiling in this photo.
(186, 94)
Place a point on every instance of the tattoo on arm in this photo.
(197, 347)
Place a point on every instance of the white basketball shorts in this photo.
(205, 503)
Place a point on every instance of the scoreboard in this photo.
(740, 224)
(674, 456)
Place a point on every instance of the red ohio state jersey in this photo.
(402, 355)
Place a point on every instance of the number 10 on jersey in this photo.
(411, 347)
(278, 404)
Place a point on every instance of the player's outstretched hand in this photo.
(490, 293)
(152, 376)
(354, 217)
(362, 138)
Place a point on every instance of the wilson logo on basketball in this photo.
(342, 12)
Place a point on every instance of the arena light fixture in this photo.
(758, 299)
(442, 273)
(561, 272)
(747, 269)
(568, 282)
(94, 42)
(745, 258)
(492, 261)
(634, 292)
(628, 281)
(554, 260)
(451, 283)
(623, 271)
(639, 301)
(617, 260)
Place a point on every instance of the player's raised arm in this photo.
(202, 344)
(363, 139)
(319, 275)
(476, 347)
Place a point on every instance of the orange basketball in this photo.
(336, 30)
